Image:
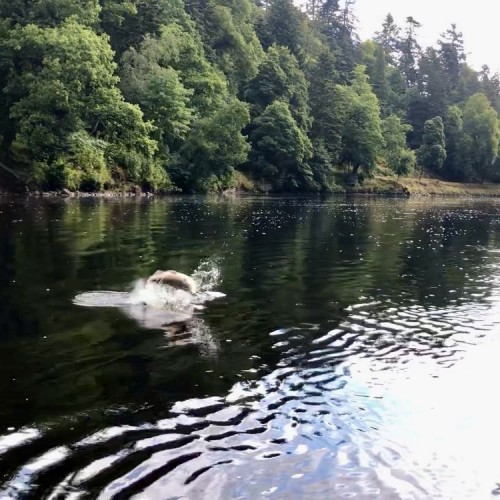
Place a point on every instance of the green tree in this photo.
(98, 93)
(214, 148)
(65, 108)
(407, 163)
(159, 91)
(227, 28)
(397, 95)
(49, 13)
(468, 84)
(182, 50)
(452, 53)
(481, 136)
(386, 80)
(313, 8)
(409, 52)
(429, 98)
(128, 21)
(281, 150)
(280, 78)
(396, 153)
(433, 83)
(329, 105)
(321, 167)
(453, 124)
(416, 114)
(283, 25)
(490, 86)
(337, 23)
(362, 134)
(389, 38)
(432, 153)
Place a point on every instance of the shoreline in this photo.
(411, 187)
(378, 186)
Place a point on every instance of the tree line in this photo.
(202, 95)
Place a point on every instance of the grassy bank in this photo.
(437, 187)
(385, 183)
(382, 183)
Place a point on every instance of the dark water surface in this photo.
(355, 354)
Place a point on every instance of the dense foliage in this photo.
(183, 94)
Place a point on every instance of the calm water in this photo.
(354, 355)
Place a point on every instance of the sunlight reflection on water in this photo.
(355, 356)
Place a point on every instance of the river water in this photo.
(345, 348)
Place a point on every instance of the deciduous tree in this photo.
(432, 153)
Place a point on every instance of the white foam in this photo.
(158, 296)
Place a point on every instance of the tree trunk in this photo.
(421, 172)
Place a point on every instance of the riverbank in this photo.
(436, 187)
(375, 187)
(412, 186)
(381, 184)
(65, 193)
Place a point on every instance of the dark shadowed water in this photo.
(355, 353)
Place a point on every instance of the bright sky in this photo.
(478, 21)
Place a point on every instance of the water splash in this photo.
(207, 276)
(162, 307)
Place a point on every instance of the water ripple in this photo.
(334, 403)
(365, 379)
